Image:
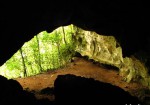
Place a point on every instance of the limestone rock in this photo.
(106, 50)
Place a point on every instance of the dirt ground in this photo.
(79, 67)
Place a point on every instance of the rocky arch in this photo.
(127, 21)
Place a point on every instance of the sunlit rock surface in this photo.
(100, 48)
(106, 50)
(133, 69)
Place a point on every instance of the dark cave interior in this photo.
(127, 21)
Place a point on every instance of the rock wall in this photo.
(103, 49)
(106, 50)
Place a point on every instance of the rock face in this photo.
(133, 69)
(101, 48)
(106, 49)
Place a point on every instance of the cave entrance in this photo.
(56, 53)
(50, 51)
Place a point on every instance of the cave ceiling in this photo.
(127, 21)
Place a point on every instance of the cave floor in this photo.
(79, 67)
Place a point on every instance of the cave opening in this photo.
(127, 21)
(70, 48)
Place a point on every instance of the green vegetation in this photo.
(46, 51)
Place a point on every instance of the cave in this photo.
(126, 21)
